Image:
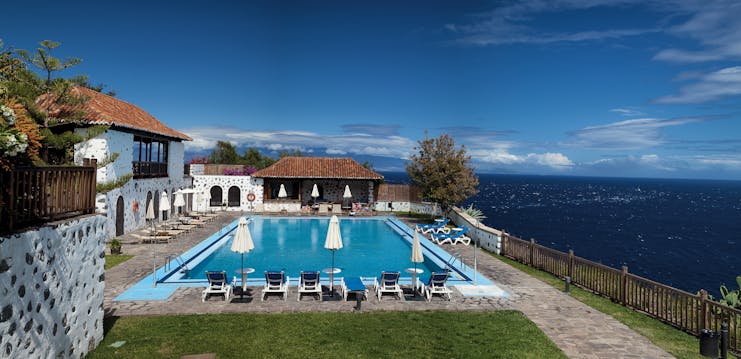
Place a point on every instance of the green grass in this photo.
(430, 334)
(112, 260)
(676, 342)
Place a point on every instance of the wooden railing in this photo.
(149, 169)
(685, 311)
(34, 195)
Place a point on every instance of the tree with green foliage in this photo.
(19, 80)
(253, 157)
(224, 153)
(367, 165)
(441, 171)
(291, 153)
(58, 90)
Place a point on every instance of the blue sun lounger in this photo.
(353, 285)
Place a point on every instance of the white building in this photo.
(135, 145)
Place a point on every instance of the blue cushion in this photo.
(354, 284)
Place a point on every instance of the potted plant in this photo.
(115, 246)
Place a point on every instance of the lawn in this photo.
(112, 260)
(676, 342)
(429, 334)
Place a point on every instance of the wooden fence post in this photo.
(504, 243)
(571, 264)
(532, 251)
(703, 309)
(624, 285)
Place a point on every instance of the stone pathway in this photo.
(579, 330)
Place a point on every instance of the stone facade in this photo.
(104, 146)
(431, 209)
(51, 285)
(245, 185)
(362, 191)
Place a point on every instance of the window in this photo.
(215, 196)
(150, 157)
(233, 196)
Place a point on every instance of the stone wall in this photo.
(487, 237)
(102, 147)
(361, 191)
(431, 209)
(246, 184)
(51, 290)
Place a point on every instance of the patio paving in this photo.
(579, 330)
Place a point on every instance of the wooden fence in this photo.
(685, 311)
(34, 195)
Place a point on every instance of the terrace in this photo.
(574, 327)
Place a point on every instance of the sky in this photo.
(573, 87)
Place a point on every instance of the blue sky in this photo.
(579, 87)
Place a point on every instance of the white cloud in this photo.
(503, 157)
(630, 112)
(388, 146)
(626, 135)
(709, 87)
(553, 160)
(510, 24)
(713, 24)
(334, 151)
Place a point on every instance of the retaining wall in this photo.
(487, 237)
(51, 289)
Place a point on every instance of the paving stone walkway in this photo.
(579, 330)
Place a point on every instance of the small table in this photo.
(414, 272)
(244, 273)
(331, 272)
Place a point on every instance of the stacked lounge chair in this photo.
(455, 236)
(435, 227)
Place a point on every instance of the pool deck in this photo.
(579, 330)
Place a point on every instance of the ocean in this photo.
(683, 233)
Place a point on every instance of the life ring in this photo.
(251, 197)
(135, 206)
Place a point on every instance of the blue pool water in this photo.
(371, 245)
(295, 244)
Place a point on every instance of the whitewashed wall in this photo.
(487, 237)
(175, 160)
(112, 141)
(51, 290)
(137, 190)
(102, 147)
(246, 184)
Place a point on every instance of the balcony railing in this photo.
(149, 169)
(35, 195)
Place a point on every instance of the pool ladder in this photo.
(453, 259)
(182, 266)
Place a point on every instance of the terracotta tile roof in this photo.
(317, 167)
(397, 193)
(101, 109)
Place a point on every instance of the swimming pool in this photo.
(295, 244)
(291, 244)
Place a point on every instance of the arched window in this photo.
(216, 196)
(233, 196)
